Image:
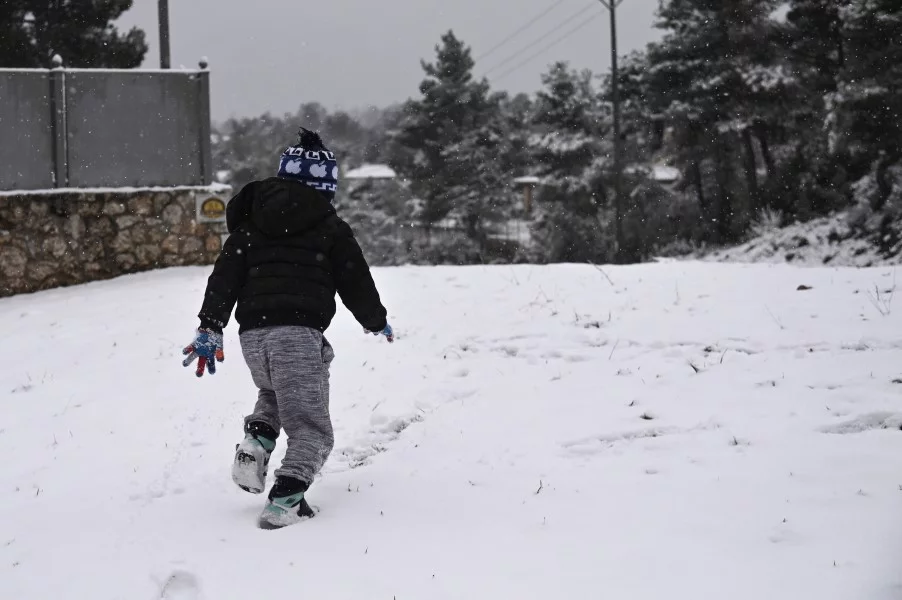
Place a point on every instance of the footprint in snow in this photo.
(866, 422)
(576, 358)
(180, 585)
(383, 431)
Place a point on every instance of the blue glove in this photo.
(207, 348)
(388, 332)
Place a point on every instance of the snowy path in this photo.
(536, 432)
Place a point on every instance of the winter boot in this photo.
(252, 457)
(286, 504)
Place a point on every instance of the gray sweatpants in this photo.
(290, 367)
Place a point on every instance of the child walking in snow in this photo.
(287, 255)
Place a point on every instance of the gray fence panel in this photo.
(26, 134)
(127, 129)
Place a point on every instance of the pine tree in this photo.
(15, 42)
(569, 145)
(717, 69)
(249, 148)
(643, 133)
(375, 210)
(346, 137)
(82, 33)
(870, 91)
(478, 186)
(452, 135)
(381, 125)
(516, 116)
(814, 35)
(810, 179)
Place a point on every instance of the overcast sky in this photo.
(272, 55)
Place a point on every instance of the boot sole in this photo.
(247, 472)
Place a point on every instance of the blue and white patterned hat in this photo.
(310, 162)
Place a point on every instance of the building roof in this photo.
(371, 172)
(665, 174)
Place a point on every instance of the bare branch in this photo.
(772, 316)
(883, 302)
(600, 270)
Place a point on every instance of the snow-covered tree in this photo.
(249, 148)
(809, 179)
(789, 107)
(870, 91)
(82, 33)
(815, 37)
(571, 147)
(516, 116)
(452, 135)
(376, 211)
(717, 69)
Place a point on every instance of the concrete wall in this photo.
(55, 239)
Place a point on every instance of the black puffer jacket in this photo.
(287, 255)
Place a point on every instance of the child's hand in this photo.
(207, 348)
(388, 332)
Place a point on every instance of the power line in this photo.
(556, 28)
(545, 48)
(520, 30)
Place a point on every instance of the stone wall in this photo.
(55, 239)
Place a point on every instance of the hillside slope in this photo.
(686, 430)
(823, 241)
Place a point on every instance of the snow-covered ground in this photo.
(822, 241)
(686, 430)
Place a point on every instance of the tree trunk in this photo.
(698, 182)
(695, 168)
(840, 45)
(801, 201)
(884, 184)
(643, 242)
(763, 139)
(751, 175)
(723, 229)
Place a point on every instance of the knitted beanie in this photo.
(310, 162)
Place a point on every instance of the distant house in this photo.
(663, 174)
(370, 172)
(527, 184)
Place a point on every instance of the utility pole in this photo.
(612, 5)
(163, 6)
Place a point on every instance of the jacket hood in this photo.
(278, 207)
